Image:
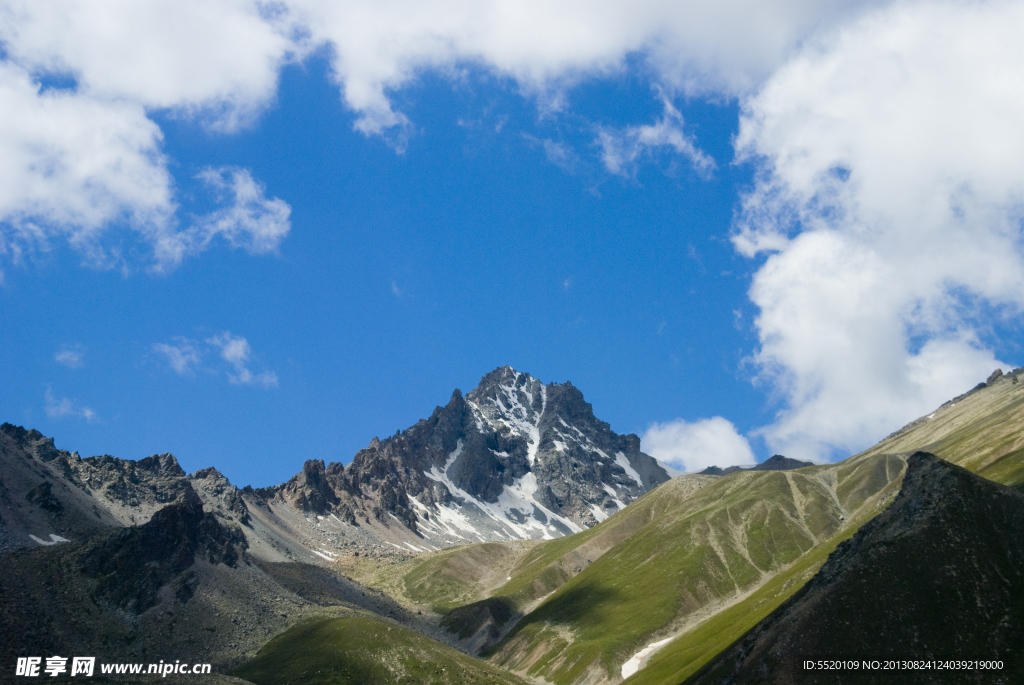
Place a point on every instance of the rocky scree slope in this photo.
(938, 575)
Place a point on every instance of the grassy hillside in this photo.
(365, 651)
(520, 572)
(982, 432)
(693, 560)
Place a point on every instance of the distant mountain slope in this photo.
(695, 547)
(691, 559)
(127, 560)
(938, 575)
(981, 430)
(776, 462)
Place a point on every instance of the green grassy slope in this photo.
(691, 560)
(520, 572)
(983, 432)
(365, 651)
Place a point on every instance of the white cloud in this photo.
(182, 356)
(84, 162)
(236, 351)
(217, 59)
(63, 407)
(186, 356)
(693, 46)
(888, 205)
(71, 356)
(72, 164)
(559, 154)
(693, 446)
(621, 149)
(249, 220)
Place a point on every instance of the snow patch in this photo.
(519, 496)
(615, 496)
(621, 460)
(54, 539)
(636, 662)
(598, 514)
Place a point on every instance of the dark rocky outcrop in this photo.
(937, 575)
(133, 565)
(310, 490)
(776, 462)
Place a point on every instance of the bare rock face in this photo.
(512, 459)
(310, 490)
(937, 575)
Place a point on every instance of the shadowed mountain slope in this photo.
(938, 575)
(361, 650)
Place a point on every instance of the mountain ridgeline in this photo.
(492, 542)
(513, 459)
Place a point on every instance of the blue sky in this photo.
(278, 243)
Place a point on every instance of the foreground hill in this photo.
(365, 651)
(938, 576)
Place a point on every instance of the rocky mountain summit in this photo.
(512, 459)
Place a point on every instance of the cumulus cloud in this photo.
(59, 408)
(71, 356)
(621, 149)
(82, 162)
(236, 351)
(691, 46)
(73, 164)
(693, 446)
(248, 220)
(185, 357)
(215, 59)
(182, 356)
(887, 208)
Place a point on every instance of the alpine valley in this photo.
(512, 537)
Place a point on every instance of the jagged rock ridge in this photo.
(512, 459)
